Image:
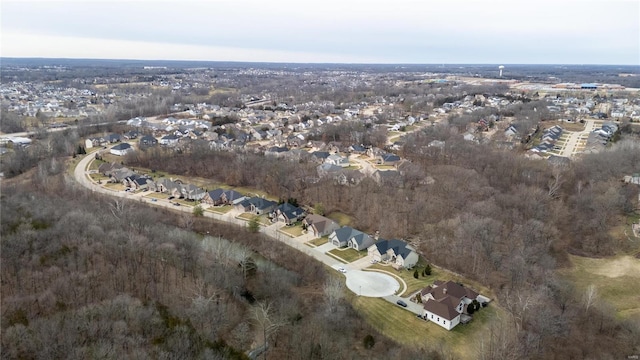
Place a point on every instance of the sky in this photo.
(329, 31)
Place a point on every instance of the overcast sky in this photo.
(352, 31)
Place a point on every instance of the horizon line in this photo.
(313, 63)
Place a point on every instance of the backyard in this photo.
(405, 328)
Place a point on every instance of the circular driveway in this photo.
(371, 284)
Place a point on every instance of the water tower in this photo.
(501, 67)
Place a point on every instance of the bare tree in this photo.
(333, 292)
(590, 297)
(266, 321)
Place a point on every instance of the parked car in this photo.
(154, 199)
(342, 270)
(401, 303)
(176, 204)
(171, 197)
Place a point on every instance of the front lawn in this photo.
(157, 195)
(293, 231)
(319, 241)
(220, 209)
(262, 219)
(348, 255)
(405, 328)
(98, 177)
(413, 284)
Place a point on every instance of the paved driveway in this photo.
(371, 284)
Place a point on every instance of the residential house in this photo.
(148, 140)
(357, 149)
(118, 175)
(320, 156)
(137, 182)
(348, 236)
(397, 252)
(219, 197)
(445, 302)
(387, 177)
(319, 225)
(168, 186)
(112, 138)
(107, 168)
(388, 159)
(121, 149)
(337, 160)
(170, 139)
(288, 213)
(261, 206)
(192, 192)
(132, 134)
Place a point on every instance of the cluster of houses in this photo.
(599, 138)
(549, 138)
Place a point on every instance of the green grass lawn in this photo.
(262, 219)
(98, 177)
(95, 164)
(319, 241)
(413, 284)
(220, 209)
(617, 281)
(293, 231)
(348, 255)
(405, 328)
(157, 195)
(341, 218)
(114, 186)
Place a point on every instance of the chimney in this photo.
(444, 291)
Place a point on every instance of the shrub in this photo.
(368, 342)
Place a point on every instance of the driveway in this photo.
(371, 284)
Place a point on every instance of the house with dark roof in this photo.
(256, 205)
(148, 140)
(444, 303)
(388, 159)
(288, 213)
(320, 156)
(121, 149)
(348, 236)
(107, 168)
(319, 225)
(219, 197)
(170, 139)
(396, 252)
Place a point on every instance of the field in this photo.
(617, 281)
(405, 328)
